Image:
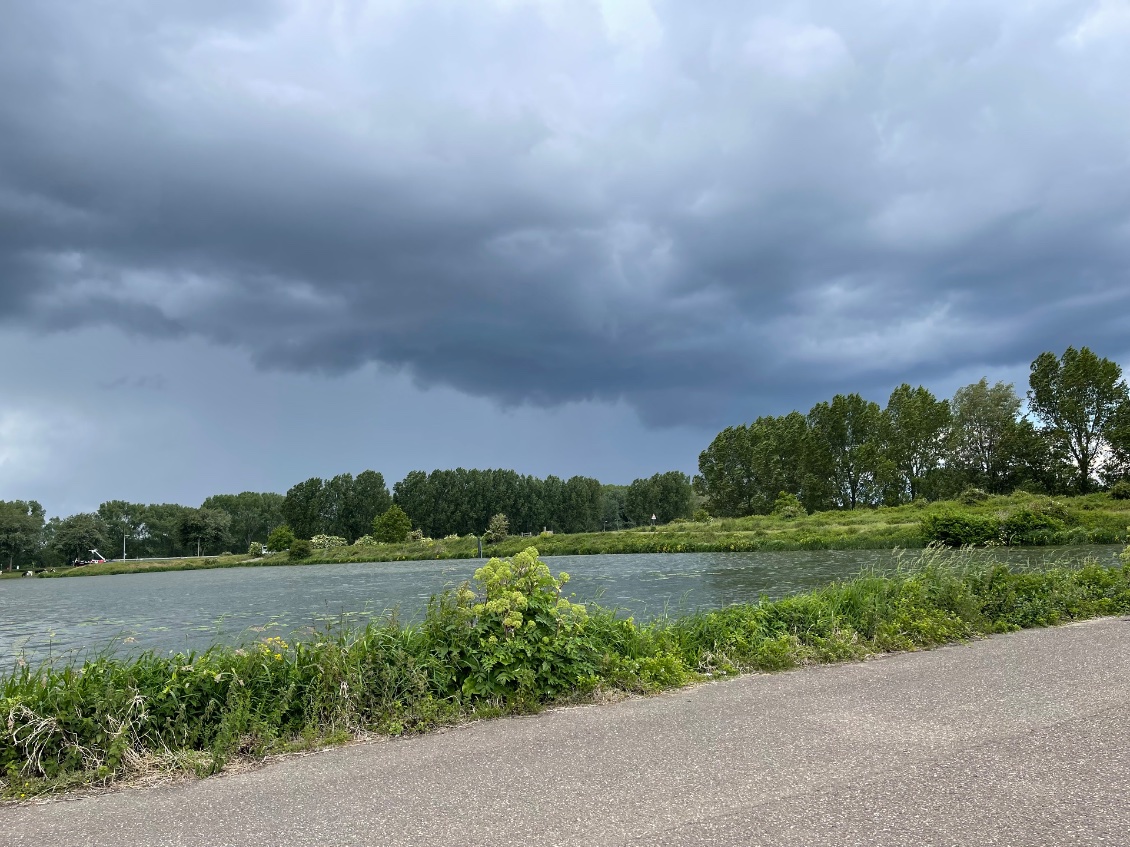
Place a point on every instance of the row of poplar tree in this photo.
(444, 502)
(1072, 435)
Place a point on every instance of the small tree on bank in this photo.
(280, 539)
(1078, 398)
(393, 526)
(497, 529)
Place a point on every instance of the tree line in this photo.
(849, 452)
(444, 502)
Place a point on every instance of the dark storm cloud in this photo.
(704, 209)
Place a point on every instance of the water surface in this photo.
(190, 610)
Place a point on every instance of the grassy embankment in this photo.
(507, 644)
(1095, 518)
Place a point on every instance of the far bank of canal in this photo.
(190, 610)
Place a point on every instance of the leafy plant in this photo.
(513, 633)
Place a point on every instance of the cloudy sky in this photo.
(242, 244)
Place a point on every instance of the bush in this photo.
(497, 529)
(256, 549)
(325, 542)
(300, 549)
(392, 527)
(515, 635)
(416, 535)
(1026, 526)
(956, 529)
(971, 496)
(365, 541)
(1120, 490)
(701, 516)
(788, 506)
(280, 539)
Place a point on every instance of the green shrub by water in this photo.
(508, 642)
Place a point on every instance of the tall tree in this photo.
(21, 529)
(916, 423)
(726, 475)
(982, 422)
(77, 536)
(203, 528)
(1118, 434)
(162, 530)
(746, 467)
(846, 449)
(303, 508)
(1076, 398)
(665, 495)
(581, 503)
(253, 515)
(368, 499)
(123, 521)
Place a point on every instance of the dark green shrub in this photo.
(392, 527)
(957, 529)
(280, 539)
(970, 496)
(1026, 526)
(701, 516)
(1120, 490)
(788, 506)
(300, 548)
(1053, 509)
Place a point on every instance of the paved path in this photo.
(1019, 740)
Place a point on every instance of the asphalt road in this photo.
(1019, 740)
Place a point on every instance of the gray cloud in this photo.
(697, 209)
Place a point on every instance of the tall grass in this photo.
(508, 642)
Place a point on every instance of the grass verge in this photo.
(506, 643)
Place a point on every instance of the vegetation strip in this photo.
(974, 519)
(508, 642)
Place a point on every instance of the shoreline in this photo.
(510, 645)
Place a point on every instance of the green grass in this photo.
(506, 644)
(157, 566)
(1092, 519)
